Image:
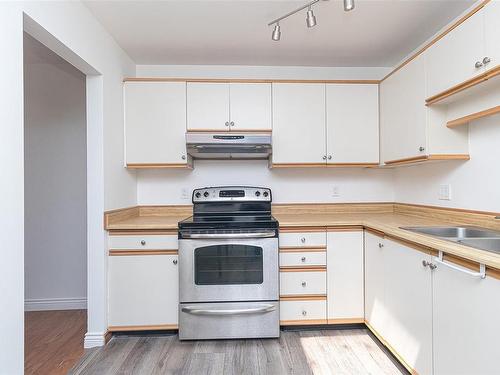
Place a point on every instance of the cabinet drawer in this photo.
(148, 242)
(294, 312)
(302, 283)
(304, 239)
(304, 259)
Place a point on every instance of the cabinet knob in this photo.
(174, 261)
(231, 123)
(304, 312)
(425, 263)
(380, 245)
(329, 157)
(303, 259)
(432, 266)
(421, 148)
(143, 242)
(227, 123)
(478, 64)
(183, 157)
(324, 157)
(486, 60)
(304, 283)
(303, 240)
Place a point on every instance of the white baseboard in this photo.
(44, 304)
(93, 339)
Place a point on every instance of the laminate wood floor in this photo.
(53, 341)
(339, 351)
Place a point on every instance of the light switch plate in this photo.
(444, 192)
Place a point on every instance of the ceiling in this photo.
(376, 33)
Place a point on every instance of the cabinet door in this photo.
(408, 296)
(143, 291)
(250, 106)
(466, 311)
(403, 113)
(376, 313)
(352, 123)
(299, 123)
(452, 59)
(492, 33)
(345, 275)
(208, 106)
(155, 122)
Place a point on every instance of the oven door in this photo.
(228, 269)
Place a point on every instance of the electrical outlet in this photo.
(185, 193)
(444, 192)
(335, 191)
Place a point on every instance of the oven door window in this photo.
(228, 265)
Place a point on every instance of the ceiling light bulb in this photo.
(310, 19)
(276, 32)
(348, 5)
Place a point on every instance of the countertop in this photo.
(388, 223)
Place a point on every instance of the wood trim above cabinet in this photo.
(474, 116)
(301, 229)
(346, 321)
(304, 297)
(438, 37)
(344, 228)
(375, 232)
(242, 80)
(133, 252)
(298, 165)
(303, 269)
(304, 249)
(352, 165)
(464, 85)
(232, 131)
(158, 165)
(158, 327)
(425, 158)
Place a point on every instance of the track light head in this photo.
(276, 32)
(348, 5)
(310, 19)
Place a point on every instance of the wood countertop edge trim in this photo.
(473, 116)
(304, 249)
(425, 158)
(303, 269)
(437, 38)
(249, 80)
(305, 297)
(132, 252)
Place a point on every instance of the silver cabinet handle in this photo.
(478, 64)
(324, 157)
(303, 259)
(257, 310)
(183, 157)
(329, 157)
(227, 123)
(210, 236)
(231, 123)
(174, 261)
(303, 240)
(304, 312)
(304, 283)
(380, 245)
(486, 60)
(425, 263)
(143, 242)
(481, 274)
(421, 148)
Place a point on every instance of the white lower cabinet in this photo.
(302, 311)
(345, 275)
(143, 291)
(465, 316)
(302, 283)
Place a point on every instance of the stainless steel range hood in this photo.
(228, 145)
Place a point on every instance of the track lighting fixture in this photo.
(348, 5)
(277, 32)
(310, 18)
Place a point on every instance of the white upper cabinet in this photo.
(250, 106)
(403, 112)
(228, 106)
(207, 106)
(155, 122)
(299, 126)
(352, 123)
(457, 57)
(492, 33)
(465, 313)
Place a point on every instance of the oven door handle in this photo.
(211, 236)
(257, 310)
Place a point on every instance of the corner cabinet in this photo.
(155, 124)
(213, 106)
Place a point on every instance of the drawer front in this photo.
(291, 311)
(316, 258)
(148, 242)
(302, 283)
(304, 239)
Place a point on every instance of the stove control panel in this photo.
(232, 194)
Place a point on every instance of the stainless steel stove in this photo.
(228, 265)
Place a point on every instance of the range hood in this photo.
(228, 145)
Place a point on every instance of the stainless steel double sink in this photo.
(479, 238)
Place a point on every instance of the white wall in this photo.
(288, 185)
(55, 181)
(475, 184)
